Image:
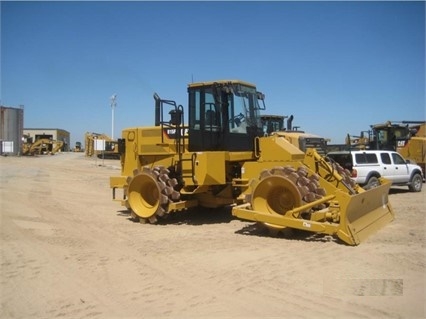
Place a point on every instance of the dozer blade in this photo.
(360, 215)
(365, 213)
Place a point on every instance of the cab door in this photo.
(205, 123)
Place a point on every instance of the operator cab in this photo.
(224, 116)
(389, 136)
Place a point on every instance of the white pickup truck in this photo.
(367, 166)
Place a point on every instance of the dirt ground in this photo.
(69, 251)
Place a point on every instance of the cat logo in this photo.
(401, 143)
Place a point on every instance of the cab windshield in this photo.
(224, 115)
(231, 107)
(245, 108)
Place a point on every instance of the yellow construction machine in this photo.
(274, 124)
(222, 157)
(77, 147)
(101, 145)
(41, 146)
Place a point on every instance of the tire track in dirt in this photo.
(70, 252)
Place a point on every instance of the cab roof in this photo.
(208, 83)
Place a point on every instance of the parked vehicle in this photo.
(408, 138)
(222, 158)
(367, 166)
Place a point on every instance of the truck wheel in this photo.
(416, 183)
(373, 181)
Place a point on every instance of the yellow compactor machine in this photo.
(221, 157)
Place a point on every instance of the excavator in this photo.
(109, 147)
(41, 146)
(222, 158)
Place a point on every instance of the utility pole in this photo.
(113, 105)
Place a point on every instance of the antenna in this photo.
(113, 105)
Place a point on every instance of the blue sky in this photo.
(336, 66)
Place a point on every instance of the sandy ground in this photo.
(69, 251)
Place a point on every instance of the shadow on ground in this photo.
(197, 216)
(397, 190)
(261, 230)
